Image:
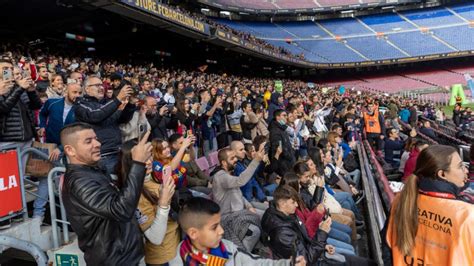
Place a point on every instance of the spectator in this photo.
(262, 125)
(161, 234)
(54, 115)
(312, 217)
(102, 215)
(319, 125)
(226, 192)
(131, 129)
(77, 77)
(18, 100)
(186, 115)
(410, 165)
(286, 232)
(248, 122)
(244, 159)
(428, 131)
(393, 147)
(162, 157)
(276, 103)
(55, 90)
(105, 118)
(42, 83)
(200, 220)
(440, 116)
(160, 120)
(279, 137)
(405, 115)
(207, 124)
(197, 179)
(457, 115)
(413, 119)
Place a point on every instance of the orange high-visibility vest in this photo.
(445, 233)
(372, 124)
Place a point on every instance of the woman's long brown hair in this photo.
(158, 151)
(405, 215)
(124, 166)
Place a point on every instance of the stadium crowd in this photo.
(284, 181)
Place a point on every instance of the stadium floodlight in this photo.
(225, 13)
(205, 10)
(347, 11)
(388, 7)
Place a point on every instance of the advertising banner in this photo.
(10, 190)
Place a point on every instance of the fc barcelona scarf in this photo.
(192, 257)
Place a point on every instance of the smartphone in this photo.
(280, 144)
(7, 74)
(166, 173)
(326, 214)
(142, 128)
(294, 252)
(170, 107)
(189, 132)
(71, 81)
(267, 147)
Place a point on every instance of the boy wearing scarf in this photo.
(203, 245)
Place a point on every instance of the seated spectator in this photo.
(286, 233)
(408, 147)
(235, 208)
(197, 179)
(258, 201)
(200, 220)
(428, 131)
(393, 147)
(161, 233)
(410, 165)
(313, 217)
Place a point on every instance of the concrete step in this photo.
(30, 230)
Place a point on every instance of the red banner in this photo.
(10, 190)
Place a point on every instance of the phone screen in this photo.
(166, 173)
(7, 74)
(142, 128)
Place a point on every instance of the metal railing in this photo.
(26, 246)
(52, 207)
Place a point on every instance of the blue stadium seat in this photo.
(432, 17)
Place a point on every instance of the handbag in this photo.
(37, 166)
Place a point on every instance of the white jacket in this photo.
(319, 125)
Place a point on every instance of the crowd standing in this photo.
(286, 183)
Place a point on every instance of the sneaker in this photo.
(358, 237)
(5, 224)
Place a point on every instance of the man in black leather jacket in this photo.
(101, 214)
(279, 136)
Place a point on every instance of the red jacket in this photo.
(410, 165)
(311, 220)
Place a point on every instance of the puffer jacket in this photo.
(105, 119)
(287, 157)
(103, 216)
(283, 232)
(16, 116)
(273, 106)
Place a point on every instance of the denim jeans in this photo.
(347, 202)
(269, 189)
(340, 232)
(341, 247)
(42, 199)
(355, 177)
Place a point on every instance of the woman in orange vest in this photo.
(430, 222)
(374, 126)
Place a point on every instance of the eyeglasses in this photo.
(96, 85)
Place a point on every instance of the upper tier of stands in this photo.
(291, 4)
(369, 38)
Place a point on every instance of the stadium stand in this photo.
(374, 37)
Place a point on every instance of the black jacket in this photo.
(159, 125)
(283, 232)
(17, 122)
(105, 119)
(287, 157)
(103, 216)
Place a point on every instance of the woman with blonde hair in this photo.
(55, 90)
(430, 222)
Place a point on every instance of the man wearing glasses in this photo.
(105, 118)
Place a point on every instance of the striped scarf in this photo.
(192, 257)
